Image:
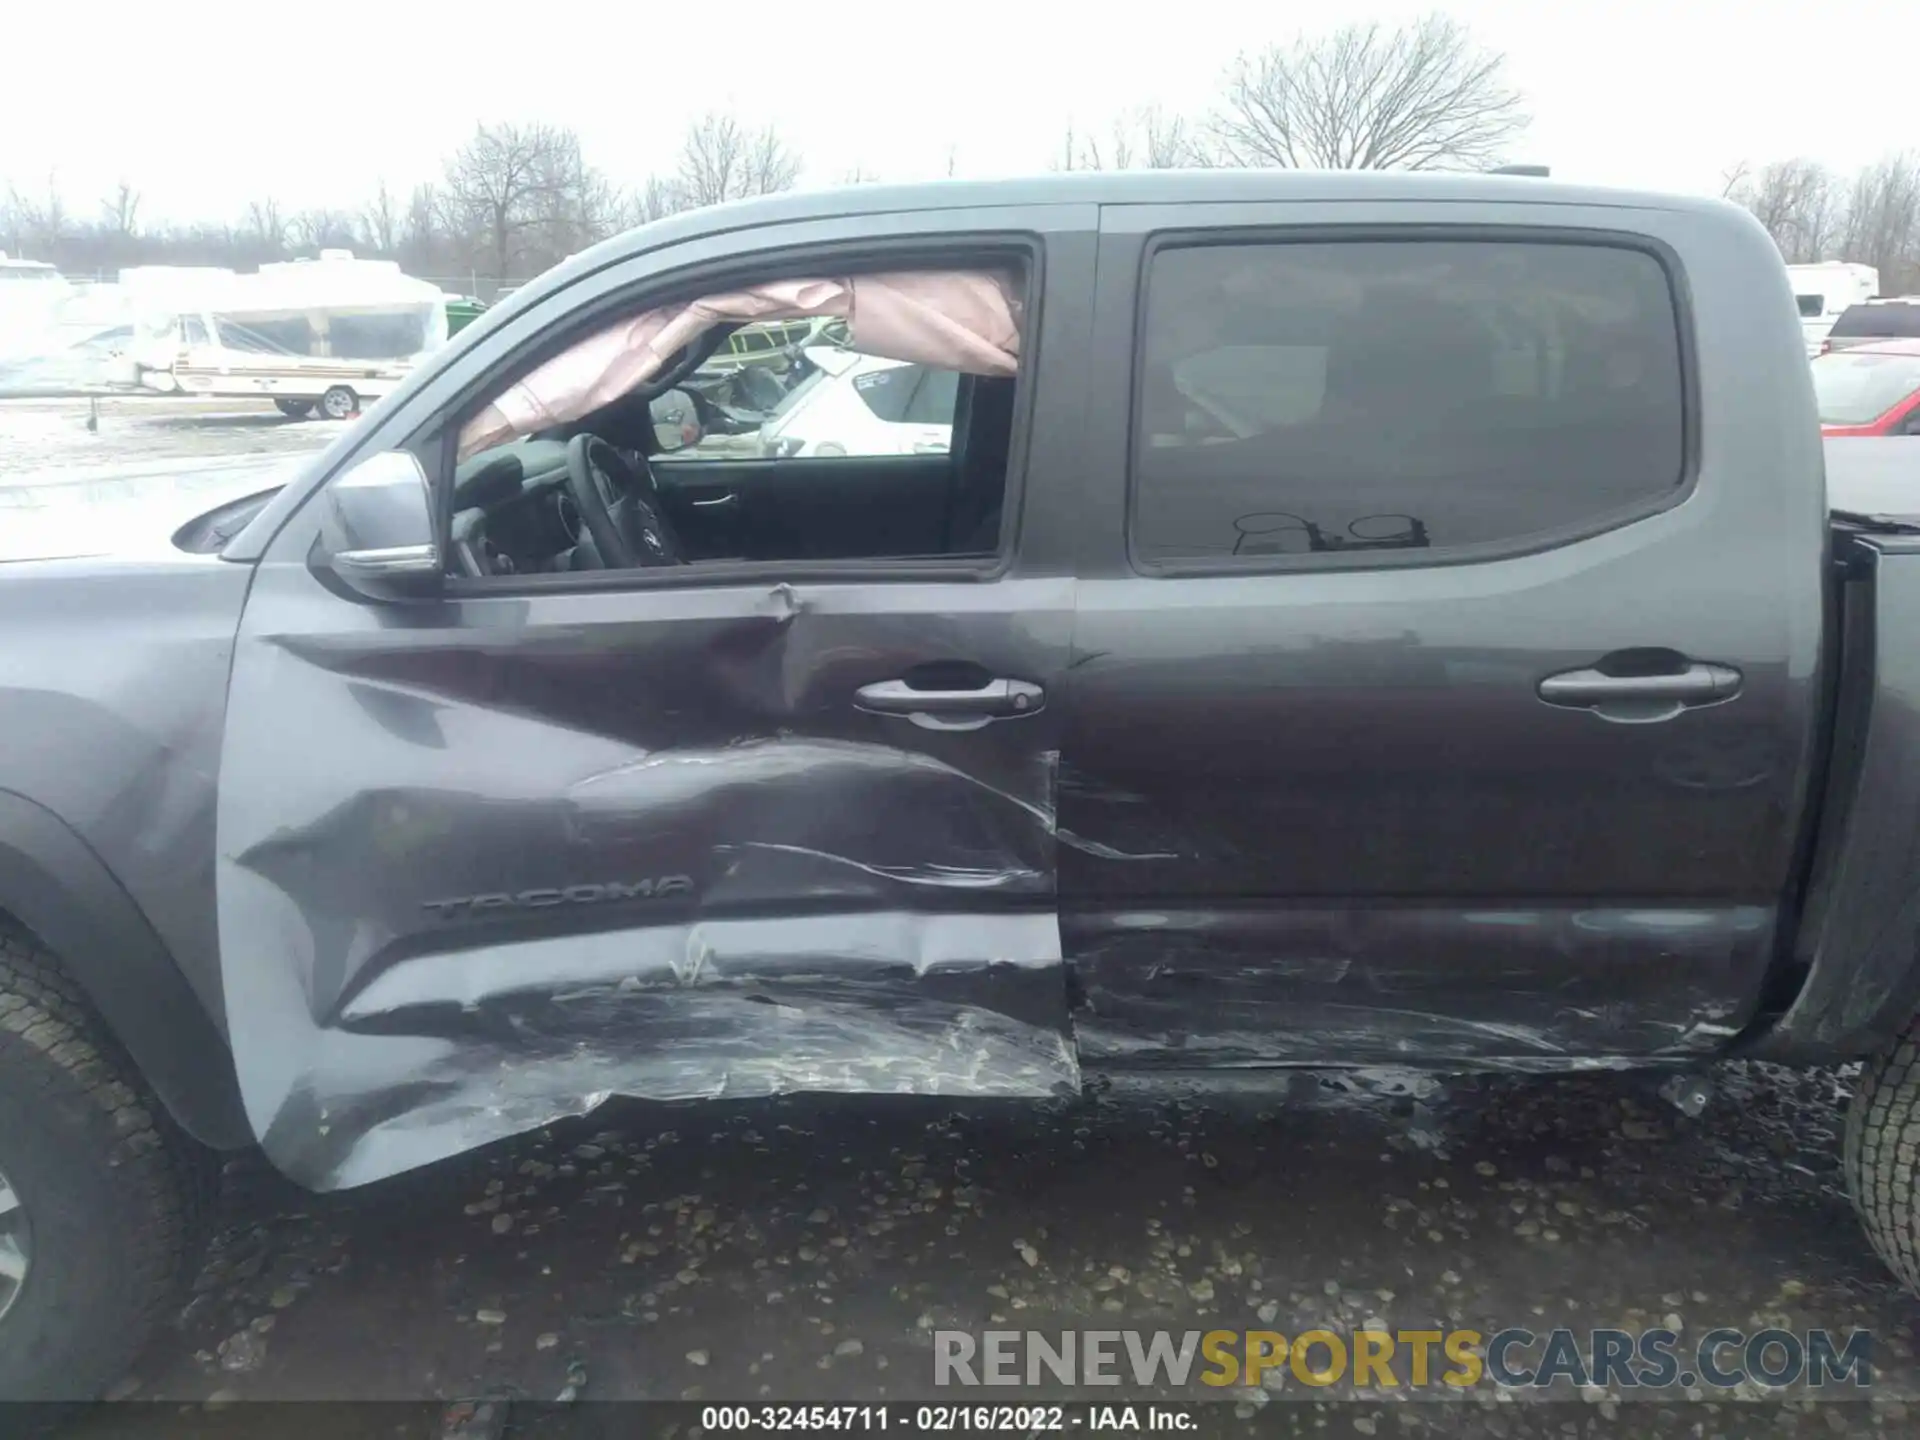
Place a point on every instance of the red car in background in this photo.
(1870, 389)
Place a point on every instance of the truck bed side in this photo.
(1851, 977)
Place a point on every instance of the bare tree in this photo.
(1168, 141)
(15, 220)
(1798, 201)
(1418, 97)
(574, 204)
(43, 224)
(419, 245)
(121, 211)
(1882, 225)
(723, 160)
(26, 221)
(53, 215)
(265, 228)
(1073, 152)
(1814, 214)
(772, 166)
(1146, 137)
(654, 200)
(1088, 150)
(494, 191)
(381, 217)
(321, 230)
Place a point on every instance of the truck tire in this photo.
(339, 403)
(1882, 1155)
(99, 1191)
(294, 409)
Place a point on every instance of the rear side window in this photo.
(1895, 321)
(1309, 397)
(262, 335)
(1812, 307)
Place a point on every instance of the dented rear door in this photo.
(492, 860)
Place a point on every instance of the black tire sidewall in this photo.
(93, 1223)
(327, 410)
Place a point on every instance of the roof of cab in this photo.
(1129, 187)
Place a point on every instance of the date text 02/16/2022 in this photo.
(944, 1419)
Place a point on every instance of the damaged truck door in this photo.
(651, 821)
(1493, 740)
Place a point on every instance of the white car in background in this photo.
(863, 405)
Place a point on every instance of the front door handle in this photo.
(993, 700)
(1640, 698)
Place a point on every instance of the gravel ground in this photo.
(807, 1248)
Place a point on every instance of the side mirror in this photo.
(376, 523)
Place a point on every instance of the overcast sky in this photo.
(203, 106)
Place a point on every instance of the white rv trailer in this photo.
(15, 271)
(332, 333)
(31, 294)
(1823, 290)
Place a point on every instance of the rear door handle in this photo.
(1640, 698)
(729, 501)
(993, 700)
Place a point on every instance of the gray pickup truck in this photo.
(1357, 621)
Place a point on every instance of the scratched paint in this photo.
(509, 867)
(1544, 989)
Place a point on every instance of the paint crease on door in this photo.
(519, 898)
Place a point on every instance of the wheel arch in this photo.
(54, 887)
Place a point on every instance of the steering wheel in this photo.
(620, 507)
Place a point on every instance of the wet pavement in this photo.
(807, 1249)
(47, 451)
(46, 444)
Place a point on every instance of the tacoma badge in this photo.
(659, 887)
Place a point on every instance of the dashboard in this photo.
(536, 533)
(513, 513)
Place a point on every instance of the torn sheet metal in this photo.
(504, 1038)
(480, 874)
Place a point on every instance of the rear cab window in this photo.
(1895, 321)
(1300, 398)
